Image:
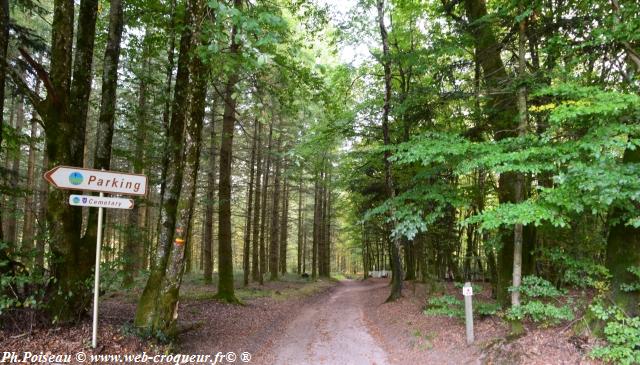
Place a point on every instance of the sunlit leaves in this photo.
(580, 154)
(528, 212)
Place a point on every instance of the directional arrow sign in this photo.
(74, 178)
(100, 202)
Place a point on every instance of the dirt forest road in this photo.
(332, 331)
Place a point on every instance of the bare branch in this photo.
(40, 71)
(24, 88)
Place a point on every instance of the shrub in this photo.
(445, 305)
(574, 270)
(486, 309)
(536, 294)
(622, 334)
(634, 286)
(21, 289)
(452, 307)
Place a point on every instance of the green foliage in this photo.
(622, 334)
(452, 307)
(540, 312)
(11, 298)
(576, 271)
(634, 286)
(111, 275)
(586, 169)
(536, 305)
(486, 309)
(22, 289)
(538, 309)
(418, 208)
(445, 305)
(536, 287)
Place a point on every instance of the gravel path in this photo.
(332, 331)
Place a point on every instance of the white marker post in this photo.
(467, 291)
(96, 280)
(80, 179)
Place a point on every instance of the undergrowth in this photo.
(452, 307)
(540, 303)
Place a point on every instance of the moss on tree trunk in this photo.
(148, 308)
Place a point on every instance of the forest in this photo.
(358, 158)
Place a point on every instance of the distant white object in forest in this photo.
(380, 273)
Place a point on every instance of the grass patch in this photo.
(288, 286)
(423, 342)
(339, 276)
(198, 295)
(299, 290)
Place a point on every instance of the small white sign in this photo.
(467, 291)
(75, 178)
(100, 202)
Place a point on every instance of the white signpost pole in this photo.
(467, 291)
(81, 179)
(96, 282)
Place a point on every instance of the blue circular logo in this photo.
(76, 200)
(75, 178)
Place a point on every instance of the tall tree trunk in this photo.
(519, 188)
(304, 247)
(366, 259)
(209, 207)
(246, 262)
(83, 76)
(106, 119)
(502, 112)
(14, 182)
(29, 206)
(134, 249)
(284, 223)
(409, 260)
(470, 253)
(225, 249)
(300, 233)
(166, 111)
(169, 294)
(396, 285)
(255, 249)
(316, 227)
(322, 203)
(148, 313)
(43, 194)
(275, 218)
(83, 62)
(263, 219)
(6, 167)
(171, 32)
(327, 221)
(188, 252)
(64, 121)
(4, 46)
